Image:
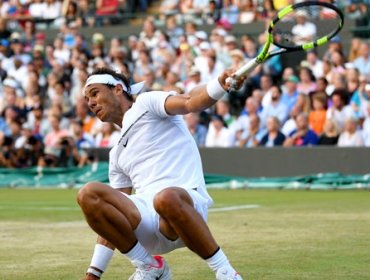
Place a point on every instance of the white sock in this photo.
(218, 260)
(139, 253)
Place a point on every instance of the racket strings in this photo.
(304, 25)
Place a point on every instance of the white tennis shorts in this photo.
(148, 232)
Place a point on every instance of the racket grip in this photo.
(247, 68)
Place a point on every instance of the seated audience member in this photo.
(360, 97)
(330, 133)
(196, 129)
(52, 139)
(362, 63)
(253, 136)
(273, 137)
(218, 134)
(7, 154)
(307, 81)
(276, 108)
(302, 135)
(290, 92)
(351, 136)
(71, 155)
(317, 116)
(366, 125)
(301, 106)
(108, 136)
(223, 108)
(81, 138)
(339, 110)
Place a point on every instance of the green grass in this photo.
(292, 235)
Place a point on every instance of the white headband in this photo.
(108, 79)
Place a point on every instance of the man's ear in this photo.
(118, 90)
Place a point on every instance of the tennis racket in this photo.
(282, 33)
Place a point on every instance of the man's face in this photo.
(101, 101)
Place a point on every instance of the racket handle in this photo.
(243, 71)
(247, 68)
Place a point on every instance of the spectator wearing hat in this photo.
(201, 56)
(194, 79)
(303, 31)
(218, 134)
(10, 96)
(290, 92)
(231, 43)
(237, 58)
(26, 132)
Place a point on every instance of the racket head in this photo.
(283, 34)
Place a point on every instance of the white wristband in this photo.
(215, 90)
(95, 272)
(101, 257)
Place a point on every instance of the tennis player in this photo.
(157, 200)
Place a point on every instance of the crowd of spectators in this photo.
(45, 121)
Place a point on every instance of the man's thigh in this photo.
(148, 232)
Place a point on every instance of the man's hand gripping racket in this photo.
(280, 33)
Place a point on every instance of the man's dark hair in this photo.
(117, 76)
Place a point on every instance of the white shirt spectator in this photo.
(220, 139)
(307, 29)
(37, 9)
(351, 140)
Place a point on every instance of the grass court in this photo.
(293, 234)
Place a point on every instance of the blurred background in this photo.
(298, 114)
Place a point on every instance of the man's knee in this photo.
(89, 194)
(171, 201)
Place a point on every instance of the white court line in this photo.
(39, 208)
(232, 208)
(58, 208)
